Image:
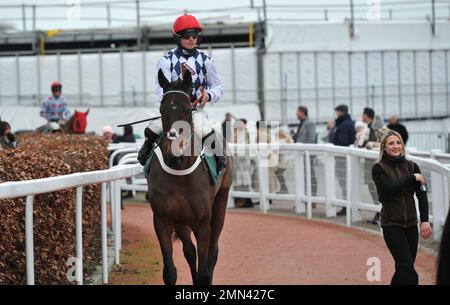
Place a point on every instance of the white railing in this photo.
(437, 175)
(78, 180)
(302, 187)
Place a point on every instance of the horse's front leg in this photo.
(164, 234)
(203, 238)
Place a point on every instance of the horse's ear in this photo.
(87, 111)
(187, 79)
(162, 80)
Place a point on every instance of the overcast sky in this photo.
(56, 14)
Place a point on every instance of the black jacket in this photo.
(396, 185)
(344, 133)
(401, 129)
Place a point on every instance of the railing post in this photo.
(79, 235)
(353, 189)
(349, 186)
(299, 171)
(308, 185)
(262, 183)
(438, 204)
(104, 236)
(116, 224)
(29, 239)
(112, 203)
(330, 194)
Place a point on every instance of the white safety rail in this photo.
(110, 176)
(301, 193)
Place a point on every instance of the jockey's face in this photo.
(56, 93)
(188, 43)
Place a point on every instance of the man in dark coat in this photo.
(343, 134)
(401, 129)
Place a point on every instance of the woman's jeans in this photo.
(402, 243)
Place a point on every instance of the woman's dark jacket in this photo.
(396, 185)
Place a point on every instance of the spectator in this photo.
(401, 129)
(54, 108)
(263, 135)
(226, 127)
(306, 133)
(371, 143)
(326, 136)
(397, 180)
(241, 164)
(7, 139)
(282, 137)
(107, 133)
(343, 134)
(127, 136)
(377, 123)
(362, 134)
(443, 262)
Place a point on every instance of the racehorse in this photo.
(190, 202)
(75, 124)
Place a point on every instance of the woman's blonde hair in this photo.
(384, 138)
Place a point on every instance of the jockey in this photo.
(207, 86)
(54, 108)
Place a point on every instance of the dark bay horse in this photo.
(186, 203)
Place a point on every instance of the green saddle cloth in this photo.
(208, 161)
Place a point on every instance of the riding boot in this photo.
(221, 159)
(144, 152)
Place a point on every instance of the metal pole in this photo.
(18, 77)
(138, 24)
(326, 14)
(299, 83)
(383, 89)
(265, 19)
(430, 63)
(316, 85)
(29, 239)
(58, 64)
(433, 18)
(104, 237)
(416, 102)
(24, 17)
(333, 79)
(79, 235)
(144, 76)
(122, 77)
(34, 17)
(350, 89)
(38, 76)
(366, 71)
(399, 76)
(100, 63)
(446, 83)
(352, 20)
(80, 80)
(108, 14)
(233, 73)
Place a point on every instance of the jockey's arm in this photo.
(164, 65)
(44, 110)
(66, 113)
(215, 87)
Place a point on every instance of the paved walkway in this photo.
(264, 249)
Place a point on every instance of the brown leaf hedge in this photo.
(40, 156)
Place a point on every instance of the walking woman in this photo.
(396, 180)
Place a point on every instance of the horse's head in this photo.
(79, 122)
(176, 112)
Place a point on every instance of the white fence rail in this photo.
(33, 187)
(349, 161)
(351, 166)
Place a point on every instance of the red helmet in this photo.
(56, 85)
(186, 22)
